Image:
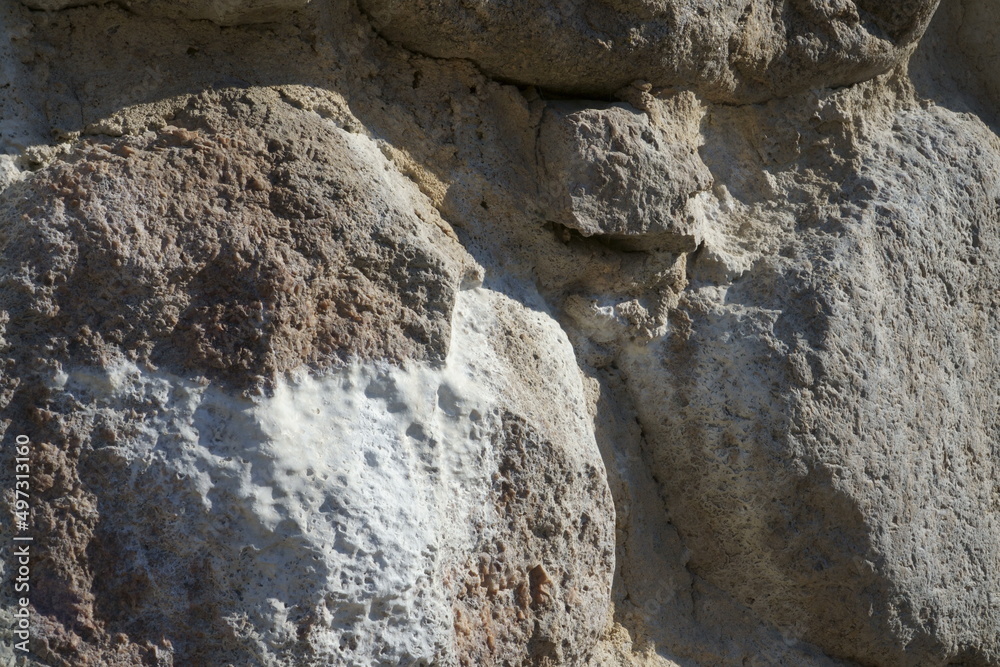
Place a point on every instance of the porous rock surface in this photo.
(613, 172)
(360, 333)
(728, 50)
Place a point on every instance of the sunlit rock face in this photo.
(284, 413)
(369, 514)
(363, 334)
(727, 50)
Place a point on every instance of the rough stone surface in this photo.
(238, 255)
(728, 50)
(338, 343)
(231, 531)
(614, 173)
(848, 482)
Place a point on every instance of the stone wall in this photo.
(607, 333)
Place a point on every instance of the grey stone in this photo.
(727, 50)
(612, 172)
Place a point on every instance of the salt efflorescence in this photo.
(323, 520)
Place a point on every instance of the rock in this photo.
(825, 418)
(331, 352)
(956, 64)
(225, 253)
(56, 5)
(246, 382)
(615, 174)
(734, 51)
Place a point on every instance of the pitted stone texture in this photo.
(343, 519)
(226, 251)
(728, 50)
(823, 426)
(611, 171)
(524, 607)
(770, 449)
